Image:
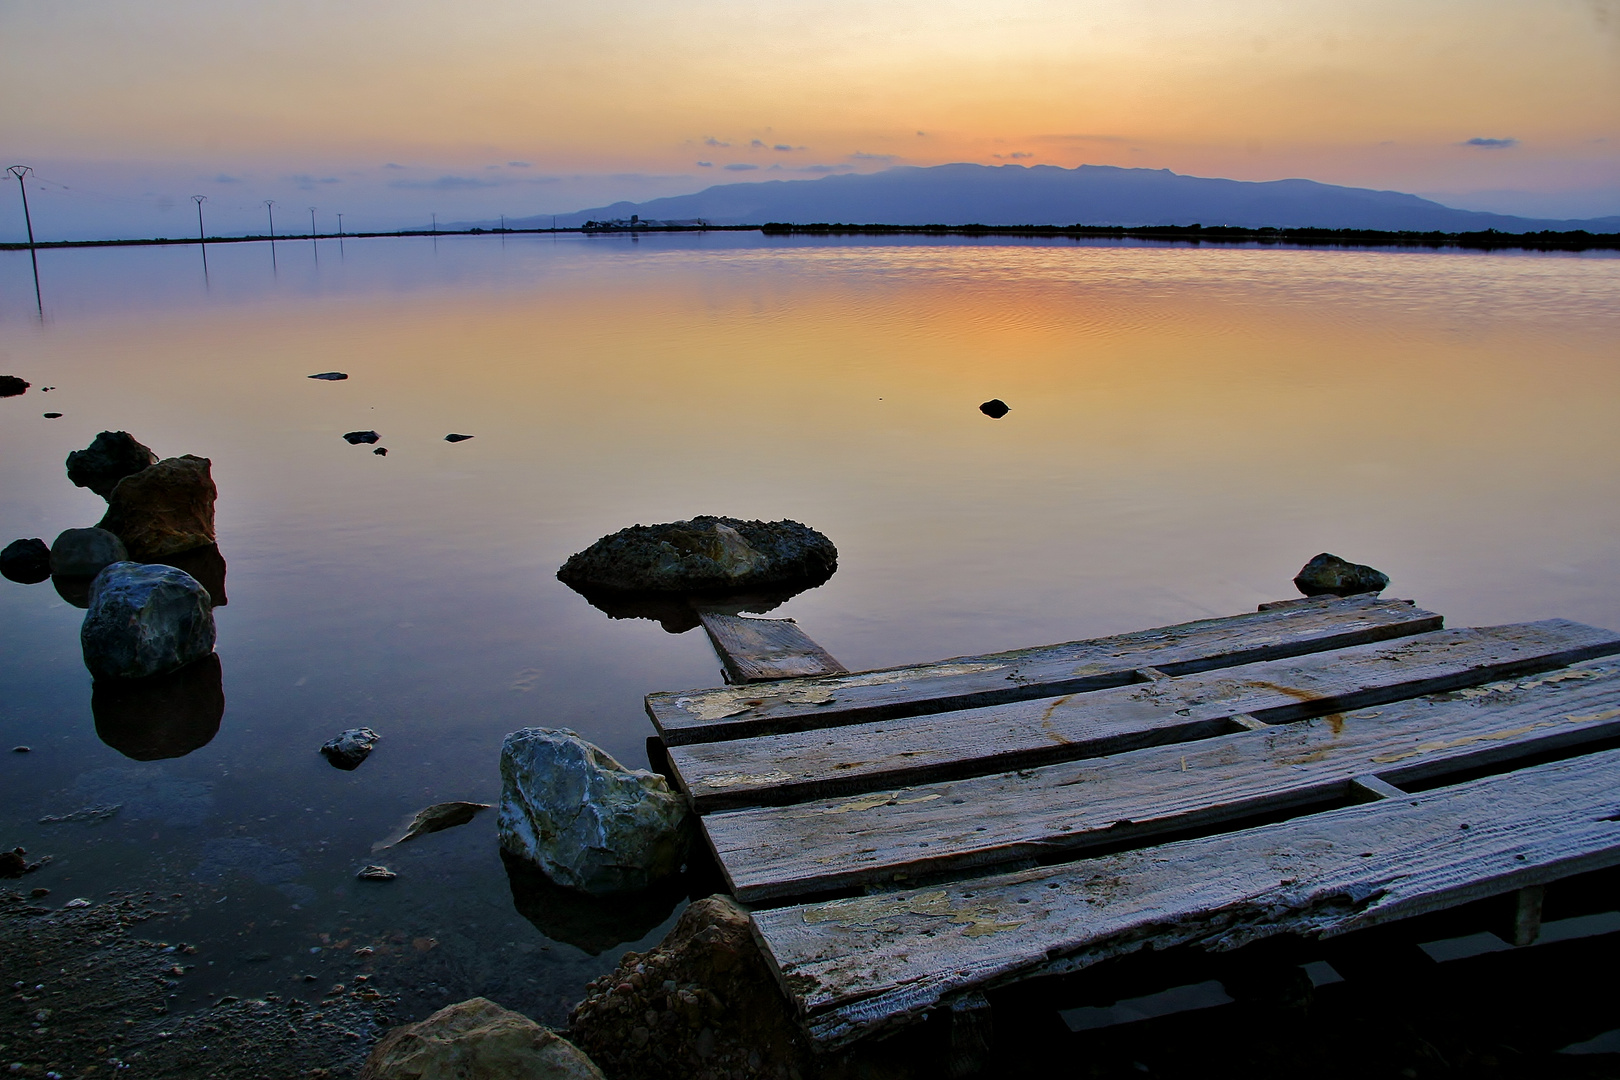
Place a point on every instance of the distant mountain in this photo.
(1047, 195)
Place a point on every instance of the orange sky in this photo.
(624, 98)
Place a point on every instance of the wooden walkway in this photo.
(908, 837)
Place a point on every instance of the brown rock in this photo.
(476, 1040)
(164, 509)
(703, 1001)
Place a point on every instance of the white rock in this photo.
(587, 821)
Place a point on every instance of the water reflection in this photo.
(75, 590)
(679, 613)
(163, 716)
(592, 924)
(206, 564)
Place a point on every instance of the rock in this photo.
(704, 998)
(164, 716)
(27, 562)
(52, 415)
(476, 1040)
(164, 509)
(330, 376)
(145, 620)
(381, 451)
(84, 553)
(705, 554)
(21, 749)
(111, 456)
(453, 437)
(355, 438)
(585, 820)
(995, 408)
(375, 873)
(349, 748)
(11, 386)
(1331, 574)
(445, 815)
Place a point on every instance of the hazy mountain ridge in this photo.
(964, 194)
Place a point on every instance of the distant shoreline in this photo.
(1546, 240)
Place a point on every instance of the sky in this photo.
(391, 111)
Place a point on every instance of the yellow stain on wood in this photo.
(719, 704)
(931, 671)
(1046, 721)
(879, 913)
(735, 779)
(875, 800)
(1506, 733)
(1507, 686)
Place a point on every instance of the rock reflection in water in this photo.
(593, 924)
(205, 563)
(75, 590)
(679, 613)
(164, 716)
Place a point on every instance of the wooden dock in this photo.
(908, 838)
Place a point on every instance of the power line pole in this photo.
(270, 208)
(312, 223)
(20, 171)
(340, 226)
(202, 237)
(435, 224)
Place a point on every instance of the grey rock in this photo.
(111, 456)
(476, 1040)
(705, 554)
(375, 873)
(439, 816)
(84, 553)
(355, 438)
(145, 620)
(26, 562)
(349, 748)
(585, 820)
(1333, 575)
(11, 386)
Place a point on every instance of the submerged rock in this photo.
(375, 873)
(585, 820)
(145, 620)
(453, 437)
(11, 386)
(348, 749)
(164, 716)
(705, 554)
(1331, 574)
(995, 408)
(330, 376)
(703, 1002)
(355, 438)
(84, 553)
(52, 415)
(111, 456)
(476, 1040)
(27, 562)
(445, 815)
(165, 508)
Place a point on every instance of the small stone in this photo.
(11, 386)
(165, 508)
(349, 748)
(374, 873)
(21, 749)
(452, 437)
(37, 893)
(27, 562)
(111, 456)
(52, 415)
(330, 376)
(381, 451)
(84, 553)
(995, 408)
(355, 438)
(145, 620)
(476, 1039)
(1329, 574)
(77, 902)
(439, 816)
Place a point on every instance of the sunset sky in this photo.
(390, 111)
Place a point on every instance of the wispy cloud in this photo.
(223, 179)
(392, 165)
(1080, 138)
(757, 144)
(445, 183)
(825, 168)
(306, 182)
(740, 166)
(712, 141)
(1490, 144)
(882, 159)
(1016, 155)
(520, 164)
(705, 164)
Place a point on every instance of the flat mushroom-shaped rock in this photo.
(705, 554)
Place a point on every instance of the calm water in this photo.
(1188, 426)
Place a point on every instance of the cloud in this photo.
(521, 164)
(884, 159)
(740, 166)
(705, 164)
(712, 141)
(786, 147)
(223, 179)
(1016, 155)
(756, 144)
(391, 165)
(825, 168)
(1080, 138)
(445, 183)
(1491, 144)
(306, 182)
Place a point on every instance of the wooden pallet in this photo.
(910, 836)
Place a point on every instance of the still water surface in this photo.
(1188, 426)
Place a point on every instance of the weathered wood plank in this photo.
(761, 650)
(1128, 799)
(853, 966)
(974, 742)
(1313, 625)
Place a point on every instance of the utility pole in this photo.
(435, 224)
(312, 223)
(270, 208)
(340, 226)
(202, 237)
(20, 171)
(503, 223)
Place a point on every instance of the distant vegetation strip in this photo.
(1576, 240)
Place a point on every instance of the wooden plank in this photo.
(793, 851)
(974, 742)
(854, 966)
(760, 650)
(1078, 666)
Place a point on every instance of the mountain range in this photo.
(963, 194)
